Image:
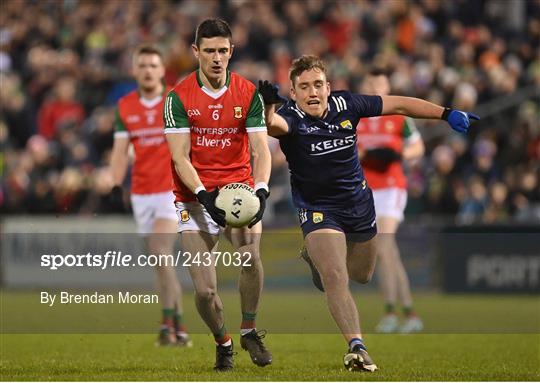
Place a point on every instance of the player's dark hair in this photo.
(212, 28)
(304, 63)
(375, 72)
(147, 49)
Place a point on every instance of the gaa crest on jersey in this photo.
(389, 126)
(317, 217)
(184, 216)
(238, 112)
(346, 124)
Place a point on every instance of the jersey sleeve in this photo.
(367, 106)
(291, 114)
(410, 132)
(174, 115)
(255, 121)
(119, 127)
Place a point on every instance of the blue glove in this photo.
(458, 120)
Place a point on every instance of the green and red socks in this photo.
(167, 319)
(390, 309)
(222, 338)
(248, 323)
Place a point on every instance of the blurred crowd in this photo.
(64, 64)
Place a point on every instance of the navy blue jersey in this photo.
(322, 153)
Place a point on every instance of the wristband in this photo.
(198, 189)
(446, 113)
(261, 185)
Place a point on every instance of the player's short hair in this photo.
(212, 28)
(147, 49)
(304, 63)
(376, 72)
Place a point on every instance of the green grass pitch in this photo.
(467, 338)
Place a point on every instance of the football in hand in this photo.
(239, 202)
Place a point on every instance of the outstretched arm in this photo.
(410, 106)
(276, 125)
(417, 108)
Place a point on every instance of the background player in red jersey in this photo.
(383, 142)
(212, 118)
(140, 122)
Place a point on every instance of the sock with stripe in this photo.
(248, 323)
(357, 343)
(408, 311)
(389, 308)
(222, 337)
(179, 326)
(167, 316)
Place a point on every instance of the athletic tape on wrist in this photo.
(261, 185)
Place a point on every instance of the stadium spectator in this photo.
(61, 110)
(441, 182)
(473, 206)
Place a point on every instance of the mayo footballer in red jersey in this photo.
(383, 142)
(212, 119)
(140, 122)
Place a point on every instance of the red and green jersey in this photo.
(386, 132)
(142, 121)
(219, 123)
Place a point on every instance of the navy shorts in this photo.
(358, 222)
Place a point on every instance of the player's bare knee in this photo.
(250, 261)
(334, 278)
(207, 294)
(363, 277)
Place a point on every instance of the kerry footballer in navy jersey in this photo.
(322, 152)
(317, 133)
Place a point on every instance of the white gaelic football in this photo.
(239, 202)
